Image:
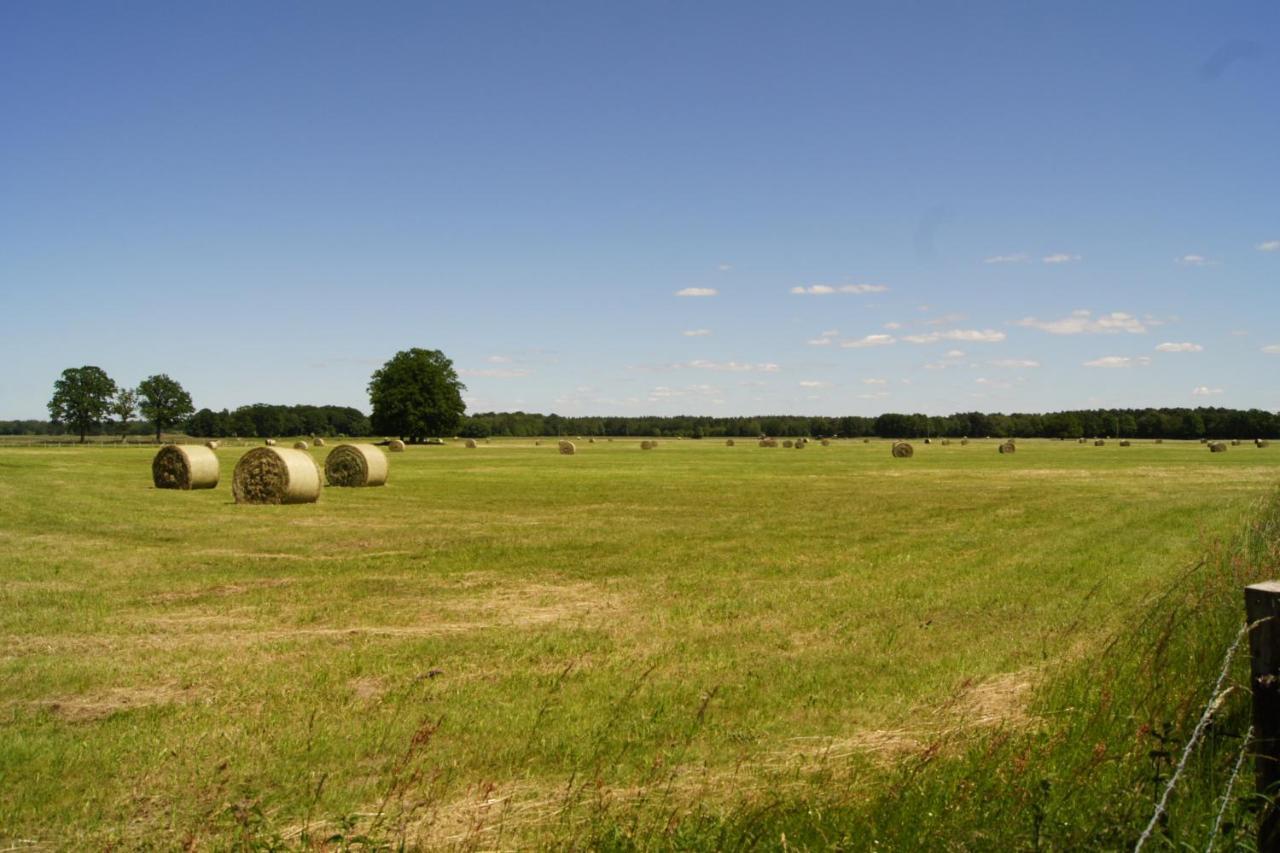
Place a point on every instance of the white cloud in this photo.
(696, 333)
(498, 359)
(1006, 259)
(813, 383)
(869, 341)
(1269, 246)
(1084, 323)
(1014, 362)
(954, 353)
(891, 325)
(875, 382)
(1119, 361)
(731, 366)
(1239, 333)
(997, 384)
(496, 372)
(1182, 347)
(830, 333)
(724, 267)
(984, 336)
(878, 395)
(1272, 349)
(697, 291)
(1060, 258)
(820, 342)
(1204, 391)
(1192, 260)
(665, 392)
(826, 289)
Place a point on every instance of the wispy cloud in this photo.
(1006, 259)
(1192, 260)
(1119, 361)
(697, 291)
(724, 267)
(496, 372)
(731, 366)
(993, 384)
(1060, 258)
(1014, 363)
(1084, 323)
(498, 359)
(696, 333)
(1272, 349)
(828, 289)
(1182, 347)
(875, 382)
(820, 342)
(813, 383)
(953, 353)
(892, 325)
(1269, 246)
(1204, 391)
(869, 341)
(978, 336)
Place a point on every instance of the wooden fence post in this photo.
(1262, 602)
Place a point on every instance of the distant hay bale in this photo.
(788, 443)
(1125, 443)
(301, 445)
(185, 466)
(800, 445)
(274, 475)
(319, 442)
(1235, 442)
(964, 441)
(927, 441)
(395, 445)
(1080, 440)
(591, 441)
(866, 441)
(729, 443)
(1204, 441)
(1261, 443)
(826, 442)
(567, 448)
(1159, 441)
(353, 465)
(471, 444)
(945, 442)
(270, 442)
(537, 444)
(212, 445)
(1008, 447)
(648, 445)
(1217, 447)
(902, 450)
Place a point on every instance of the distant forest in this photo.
(263, 420)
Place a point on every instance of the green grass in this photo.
(507, 646)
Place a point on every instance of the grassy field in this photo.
(504, 642)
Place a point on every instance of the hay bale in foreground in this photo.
(319, 442)
(1217, 447)
(354, 465)
(1008, 447)
(185, 466)
(1099, 443)
(395, 445)
(470, 444)
(902, 450)
(274, 475)
(568, 448)
(301, 445)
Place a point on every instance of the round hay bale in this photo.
(351, 465)
(1080, 440)
(274, 475)
(1008, 447)
(728, 442)
(301, 445)
(1235, 442)
(1261, 443)
(1217, 447)
(395, 445)
(964, 441)
(537, 444)
(270, 442)
(1099, 443)
(902, 450)
(1159, 441)
(591, 441)
(788, 443)
(800, 445)
(648, 445)
(567, 448)
(185, 466)
(1125, 443)
(319, 442)
(212, 445)
(927, 441)
(866, 441)
(1204, 441)
(471, 444)
(826, 442)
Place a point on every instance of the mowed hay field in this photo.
(504, 640)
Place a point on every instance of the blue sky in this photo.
(890, 207)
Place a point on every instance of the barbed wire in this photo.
(1196, 734)
(1226, 795)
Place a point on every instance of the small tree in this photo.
(123, 408)
(415, 395)
(164, 402)
(81, 398)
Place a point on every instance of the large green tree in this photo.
(124, 406)
(164, 402)
(82, 398)
(416, 395)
